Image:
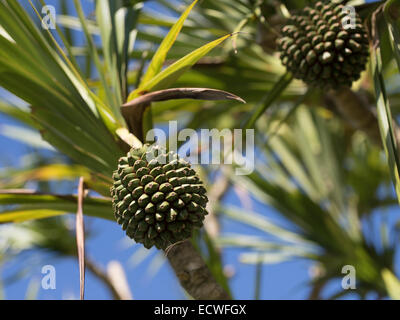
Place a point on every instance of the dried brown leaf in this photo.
(80, 237)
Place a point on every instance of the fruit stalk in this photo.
(193, 274)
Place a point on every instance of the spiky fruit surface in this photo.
(318, 49)
(157, 197)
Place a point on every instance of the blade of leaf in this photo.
(159, 57)
(117, 276)
(268, 99)
(393, 29)
(266, 258)
(15, 178)
(392, 284)
(18, 113)
(27, 214)
(111, 98)
(257, 281)
(385, 119)
(32, 204)
(174, 71)
(236, 240)
(56, 171)
(26, 136)
(80, 237)
(104, 18)
(262, 223)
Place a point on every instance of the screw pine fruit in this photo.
(157, 197)
(320, 47)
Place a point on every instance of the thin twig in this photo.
(80, 237)
(102, 275)
(258, 280)
(217, 192)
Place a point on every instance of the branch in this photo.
(193, 273)
(354, 108)
(316, 289)
(217, 191)
(356, 111)
(116, 291)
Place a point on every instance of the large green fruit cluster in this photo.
(318, 46)
(157, 197)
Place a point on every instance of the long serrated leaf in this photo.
(32, 205)
(268, 99)
(392, 284)
(262, 223)
(20, 215)
(385, 119)
(56, 171)
(111, 98)
(294, 166)
(33, 71)
(104, 17)
(159, 57)
(174, 71)
(27, 136)
(256, 243)
(393, 28)
(266, 258)
(71, 69)
(17, 113)
(15, 178)
(117, 24)
(314, 221)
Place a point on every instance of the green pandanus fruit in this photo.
(320, 46)
(157, 197)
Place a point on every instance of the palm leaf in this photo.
(159, 57)
(173, 72)
(385, 119)
(31, 204)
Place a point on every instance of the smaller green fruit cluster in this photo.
(157, 197)
(317, 48)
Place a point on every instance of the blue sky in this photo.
(280, 281)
